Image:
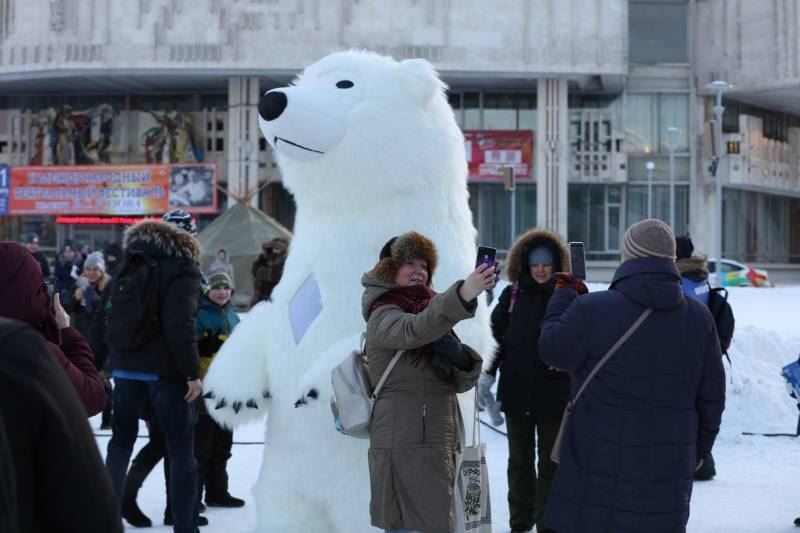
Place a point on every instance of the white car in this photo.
(736, 274)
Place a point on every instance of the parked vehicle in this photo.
(736, 274)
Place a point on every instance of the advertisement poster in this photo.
(192, 187)
(106, 190)
(109, 189)
(488, 151)
(5, 179)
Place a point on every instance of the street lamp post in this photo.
(650, 166)
(719, 87)
(672, 132)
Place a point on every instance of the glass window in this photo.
(472, 111)
(527, 111)
(638, 208)
(454, 99)
(673, 111)
(641, 128)
(658, 31)
(499, 111)
(595, 218)
(490, 205)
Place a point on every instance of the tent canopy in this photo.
(240, 231)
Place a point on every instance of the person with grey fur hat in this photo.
(651, 413)
(414, 430)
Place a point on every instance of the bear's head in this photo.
(357, 128)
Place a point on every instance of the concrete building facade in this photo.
(605, 87)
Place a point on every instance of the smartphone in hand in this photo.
(486, 256)
(577, 258)
(50, 282)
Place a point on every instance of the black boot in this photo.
(130, 509)
(223, 500)
(168, 521)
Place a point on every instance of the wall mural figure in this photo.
(172, 140)
(64, 137)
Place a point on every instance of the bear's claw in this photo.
(312, 393)
(237, 406)
(220, 404)
(209, 395)
(251, 403)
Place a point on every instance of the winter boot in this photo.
(130, 509)
(223, 500)
(168, 521)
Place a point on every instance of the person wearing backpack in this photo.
(414, 431)
(648, 392)
(216, 320)
(694, 281)
(151, 333)
(530, 393)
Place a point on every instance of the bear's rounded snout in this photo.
(272, 105)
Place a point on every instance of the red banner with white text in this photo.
(488, 151)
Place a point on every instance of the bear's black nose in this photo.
(272, 105)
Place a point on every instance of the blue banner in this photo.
(5, 179)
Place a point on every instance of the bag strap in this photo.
(514, 293)
(611, 352)
(385, 375)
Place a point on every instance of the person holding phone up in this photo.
(27, 298)
(532, 395)
(414, 432)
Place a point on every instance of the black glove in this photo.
(451, 349)
(208, 344)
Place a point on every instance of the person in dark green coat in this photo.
(216, 319)
(532, 395)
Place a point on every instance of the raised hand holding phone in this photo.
(479, 280)
(62, 317)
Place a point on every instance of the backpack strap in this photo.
(385, 376)
(514, 293)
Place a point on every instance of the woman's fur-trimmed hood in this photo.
(518, 255)
(397, 251)
(167, 238)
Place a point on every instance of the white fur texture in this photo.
(399, 166)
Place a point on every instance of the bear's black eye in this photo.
(344, 84)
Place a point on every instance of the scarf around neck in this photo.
(414, 300)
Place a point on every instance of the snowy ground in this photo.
(755, 489)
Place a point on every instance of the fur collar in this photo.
(165, 237)
(696, 263)
(518, 255)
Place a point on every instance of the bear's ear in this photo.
(420, 80)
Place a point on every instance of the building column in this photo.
(552, 154)
(243, 138)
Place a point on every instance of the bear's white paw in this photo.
(236, 389)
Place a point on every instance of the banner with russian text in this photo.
(488, 151)
(97, 190)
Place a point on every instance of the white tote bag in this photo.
(473, 511)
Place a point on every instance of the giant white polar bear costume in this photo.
(370, 149)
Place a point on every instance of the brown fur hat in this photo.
(398, 250)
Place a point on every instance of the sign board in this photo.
(112, 189)
(489, 151)
(5, 181)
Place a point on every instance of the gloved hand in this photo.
(451, 349)
(568, 281)
(208, 344)
(486, 398)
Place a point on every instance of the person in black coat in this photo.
(59, 482)
(652, 412)
(164, 371)
(531, 395)
(32, 244)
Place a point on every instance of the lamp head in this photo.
(650, 165)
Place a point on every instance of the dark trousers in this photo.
(527, 491)
(212, 448)
(176, 418)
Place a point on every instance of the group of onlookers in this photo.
(643, 415)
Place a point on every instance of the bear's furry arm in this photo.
(392, 328)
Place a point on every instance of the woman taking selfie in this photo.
(415, 426)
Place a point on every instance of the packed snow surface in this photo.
(755, 488)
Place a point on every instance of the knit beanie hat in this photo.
(648, 238)
(219, 279)
(398, 250)
(95, 259)
(182, 219)
(684, 247)
(541, 255)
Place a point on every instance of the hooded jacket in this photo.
(694, 277)
(60, 482)
(172, 353)
(414, 430)
(526, 384)
(25, 298)
(653, 409)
